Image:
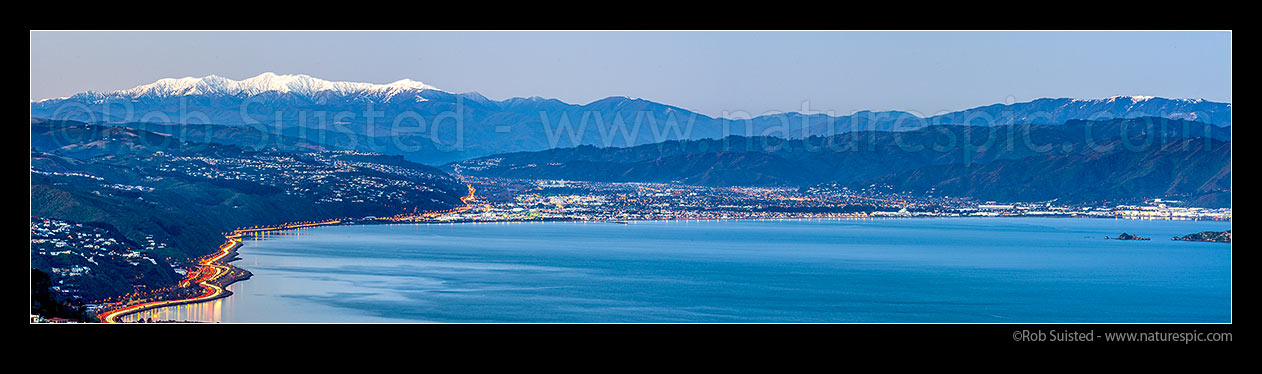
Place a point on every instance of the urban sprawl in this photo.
(76, 250)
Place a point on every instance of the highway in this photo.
(209, 270)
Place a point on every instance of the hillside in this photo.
(1195, 170)
(187, 194)
(1027, 159)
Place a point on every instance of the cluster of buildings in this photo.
(116, 186)
(476, 164)
(599, 201)
(325, 176)
(70, 252)
(1159, 209)
(65, 174)
(1154, 209)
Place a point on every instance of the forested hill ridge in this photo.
(187, 194)
(1196, 170)
(429, 125)
(1207, 236)
(1079, 161)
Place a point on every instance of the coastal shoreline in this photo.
(874, 217)
(220, 285)
(230, 251)
(224, 273)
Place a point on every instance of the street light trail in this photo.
(210, 270)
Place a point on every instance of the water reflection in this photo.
(210, 311)
(213, 311)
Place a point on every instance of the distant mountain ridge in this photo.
(1079, 161)
(430, 125)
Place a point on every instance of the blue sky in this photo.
(712, 72)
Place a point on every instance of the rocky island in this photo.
(1126, 236)
(1207, 236)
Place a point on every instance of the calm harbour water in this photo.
(884, 270)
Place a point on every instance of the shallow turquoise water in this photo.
(885, 270)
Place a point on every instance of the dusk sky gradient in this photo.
(712, 72)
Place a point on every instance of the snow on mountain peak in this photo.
(301, 84)
(1132, 98)
(410, 84)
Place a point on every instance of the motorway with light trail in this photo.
(209, 270)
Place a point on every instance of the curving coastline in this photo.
(214, 274)
(212, 269)
(213, 286)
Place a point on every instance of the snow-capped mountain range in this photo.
(519, 124)
(296, 84)
(299, 84)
